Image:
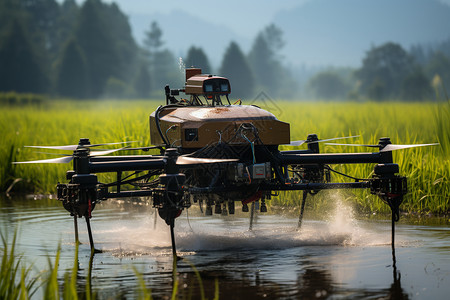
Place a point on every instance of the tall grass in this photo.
(64, 122)
(427, 168)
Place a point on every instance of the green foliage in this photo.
(383, 71)
(263, 58)
(20, 69)
(18, 99)
(117, 89)
(329, 85)
(60, 48)
(72, 79)
(97, 43)
(416, 86)
(153, 40)
(164, 70)
(162, 63)
(142, 84)
(439, 65)
(235, 68)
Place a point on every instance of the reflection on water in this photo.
(339, 258)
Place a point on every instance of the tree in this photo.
(328, 85)
(439, 64)
(165, 70)
(66, 21)
(72, 80)
(94, 37)
(197, 58)
(383, 71)
(20, 70)
(416, 86)
(162, 63)
(153, 38)
(142, 83)
(236, 69)
(123, 41)
(42, 24)
(265, 61)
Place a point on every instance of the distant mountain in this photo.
(339, 32)
(317, 33)
(182, 30)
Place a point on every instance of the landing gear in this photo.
(390, 188)
(302, 209)
(78, 198)
(91, 240)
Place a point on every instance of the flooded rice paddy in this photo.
(338, 257)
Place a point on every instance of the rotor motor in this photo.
(389, 187)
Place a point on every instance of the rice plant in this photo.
(64, 122)
(15, 277)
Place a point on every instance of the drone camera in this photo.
(205, 84)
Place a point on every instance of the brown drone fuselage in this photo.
(199, 126)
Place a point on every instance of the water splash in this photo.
(343, 222)
(181, 65)
(341, 228)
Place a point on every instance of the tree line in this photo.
(390, 72)
(88, 51)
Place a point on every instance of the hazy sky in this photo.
(246, 17)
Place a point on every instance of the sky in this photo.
(240, 21)
(245, 17)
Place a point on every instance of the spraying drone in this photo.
(215, 154)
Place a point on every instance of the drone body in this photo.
(217, 154)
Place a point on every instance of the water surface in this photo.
(339, 257)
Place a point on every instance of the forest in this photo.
(87, 51)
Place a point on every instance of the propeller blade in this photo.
(184, 160)
(296, 143)
(301, 142)
(106, 152)
(75, 147)
(49, 153)
(392, 147)
(106, 144)
(66, 147)
(60, 160)
(352, 145)
(67, 158)
(338, 138)
(145, 148)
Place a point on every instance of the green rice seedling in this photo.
(144, 293)
(51, 290)
(70, 279)
(15, 281)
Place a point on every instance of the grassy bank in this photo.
(64, 122)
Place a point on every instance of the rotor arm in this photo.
(314, 186)
(126, 165)
(335, 158)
